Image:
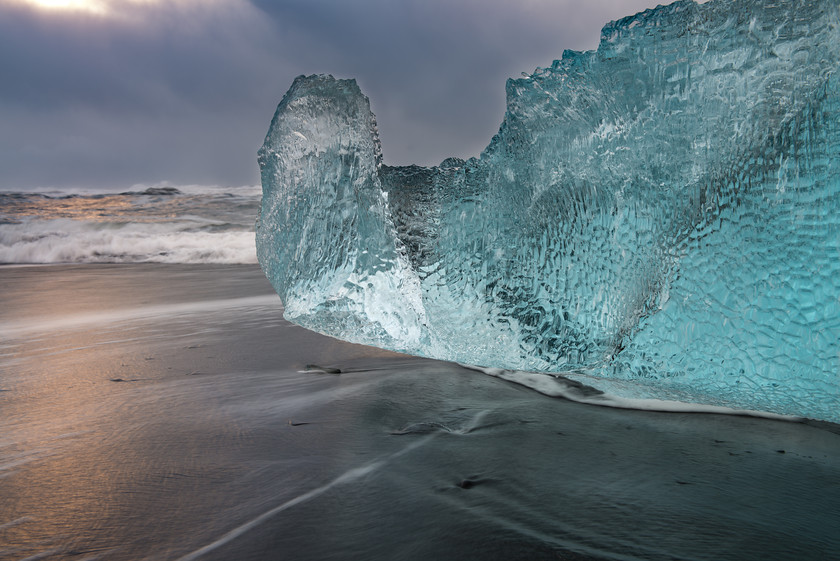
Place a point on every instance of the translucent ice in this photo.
(659, 218)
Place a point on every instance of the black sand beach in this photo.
(167, 412)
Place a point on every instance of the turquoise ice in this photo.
(659, 218)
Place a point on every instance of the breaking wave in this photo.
(161, 224)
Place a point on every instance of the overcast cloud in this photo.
(183, 91)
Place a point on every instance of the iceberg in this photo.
(658, 218)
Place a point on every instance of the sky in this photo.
(110, 94)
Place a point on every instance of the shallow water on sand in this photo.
(167, 412)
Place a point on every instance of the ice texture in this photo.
(659, 218)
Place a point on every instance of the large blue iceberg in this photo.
(659, 218)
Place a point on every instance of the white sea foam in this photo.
(158, 223)
(558, 386)
(74, 241)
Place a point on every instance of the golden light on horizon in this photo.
(97, 7)
(91, 6)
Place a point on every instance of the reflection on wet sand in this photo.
(195, 430)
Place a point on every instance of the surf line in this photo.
(346, 477)
(556, 385)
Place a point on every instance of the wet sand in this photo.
(167, 412)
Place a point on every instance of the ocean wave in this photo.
(197, 189)
(157, 223)
(140, 188)
(74, 241)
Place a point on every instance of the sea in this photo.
(155, 405)
(145, 224)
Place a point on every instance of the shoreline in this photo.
(262, 294)
(161, 435)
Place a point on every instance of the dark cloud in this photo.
(185, 92)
